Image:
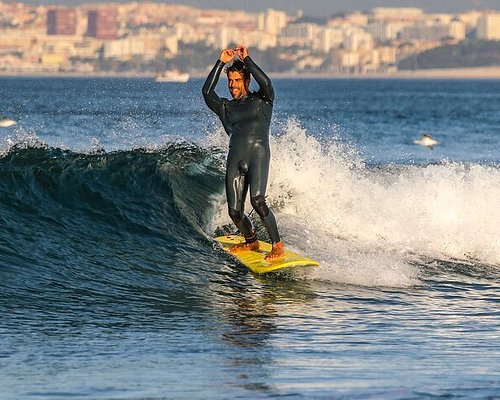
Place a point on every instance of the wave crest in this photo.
(443, 210)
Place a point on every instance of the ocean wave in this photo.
(158, 208)
(445, 210)
(116, 220)
(372, 225)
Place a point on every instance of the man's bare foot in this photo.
(240, 247)
(276, 253)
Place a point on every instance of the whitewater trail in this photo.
(373, 225)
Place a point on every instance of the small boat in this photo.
(5, 121)
(172, 76)
(426, 140)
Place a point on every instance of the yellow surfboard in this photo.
(254, 260)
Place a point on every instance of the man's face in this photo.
(237, 85)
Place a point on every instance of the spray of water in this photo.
(371, 226)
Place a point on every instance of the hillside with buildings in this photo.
(149, 37)
(466, 54)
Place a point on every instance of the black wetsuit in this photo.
(246, 121)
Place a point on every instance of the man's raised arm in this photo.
(264, 82)
(211, 98)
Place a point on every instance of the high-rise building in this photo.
(272, 21)
(488, 27)
(457, 29)
(425, 31)
(61, 21)
(103, 23)
(397, 13)
(301, 35)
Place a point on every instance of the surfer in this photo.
(246, 119)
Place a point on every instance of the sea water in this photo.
(111, 286)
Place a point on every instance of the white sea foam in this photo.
(367, 226)
(20, 139)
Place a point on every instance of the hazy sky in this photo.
(315, 7)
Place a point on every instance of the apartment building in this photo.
(488, 27)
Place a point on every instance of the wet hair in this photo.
(239, 66)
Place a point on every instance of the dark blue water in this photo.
(111, 286)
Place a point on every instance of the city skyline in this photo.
(149, 37)
(314, 8)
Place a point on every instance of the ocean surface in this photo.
(111, 287)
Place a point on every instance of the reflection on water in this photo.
(284, 336)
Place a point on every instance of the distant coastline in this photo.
(444, 73)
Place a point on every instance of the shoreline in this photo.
(445, 73)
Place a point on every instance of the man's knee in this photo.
(260, 206)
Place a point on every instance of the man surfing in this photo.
(246, 119)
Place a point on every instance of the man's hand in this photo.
(241, 51)
(227, 55)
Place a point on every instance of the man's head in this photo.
(238, 79)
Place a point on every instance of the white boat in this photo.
(426, 140)
(5, 121)
(172, 76)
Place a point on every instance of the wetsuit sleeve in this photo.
(214, 102)
(266, 90)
